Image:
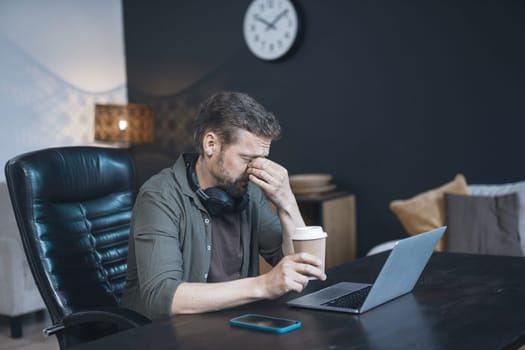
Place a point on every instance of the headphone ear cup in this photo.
(216, 200)
(219, 202)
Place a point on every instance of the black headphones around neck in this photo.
(216, 200)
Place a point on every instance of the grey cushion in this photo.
(500, 189)
(483, 224)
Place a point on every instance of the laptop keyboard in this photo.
(352, 300)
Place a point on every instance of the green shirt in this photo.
(170, 240)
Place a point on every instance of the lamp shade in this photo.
(132, 123)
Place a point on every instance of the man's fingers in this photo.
(263, 165)
(307, 265)
(312, 271)
(306, 269)
(260, 174)
(306, 258)
(264, 175)
(258, 181)
(299, 282)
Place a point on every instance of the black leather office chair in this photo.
(73, 209)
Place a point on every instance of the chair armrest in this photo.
(120, 317)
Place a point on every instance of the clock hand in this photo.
(277, 18)
(262, 20)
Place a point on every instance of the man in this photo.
(198, 227)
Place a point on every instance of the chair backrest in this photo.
(73, 208)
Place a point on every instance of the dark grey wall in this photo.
(392, 97)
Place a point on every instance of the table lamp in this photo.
(124, 124)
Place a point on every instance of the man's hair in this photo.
(226, 112)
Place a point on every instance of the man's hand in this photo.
(291, 273)
(272, 178)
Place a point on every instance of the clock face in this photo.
(270, 28)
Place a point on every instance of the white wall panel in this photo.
(57, 59)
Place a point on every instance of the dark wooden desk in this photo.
(461, 302)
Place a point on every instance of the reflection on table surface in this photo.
(461, 302)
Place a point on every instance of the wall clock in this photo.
(270, 28)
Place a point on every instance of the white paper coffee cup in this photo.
(312, 240)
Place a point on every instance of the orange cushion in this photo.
(426, 211)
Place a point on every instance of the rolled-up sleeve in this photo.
(269, 230)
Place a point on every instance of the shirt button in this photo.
(206, 221)
(209, 247)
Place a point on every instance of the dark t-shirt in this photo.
(171, 234)
(226, 248)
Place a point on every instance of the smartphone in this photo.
(265, 323)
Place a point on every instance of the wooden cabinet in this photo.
(335, 212)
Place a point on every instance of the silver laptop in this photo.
(398, 276)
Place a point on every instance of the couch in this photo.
(481, 219)
(18, 293)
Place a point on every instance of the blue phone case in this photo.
(265, 323)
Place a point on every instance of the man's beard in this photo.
(235, 188)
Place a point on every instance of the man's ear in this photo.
(210, 144)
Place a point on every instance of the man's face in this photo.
(229, 168)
